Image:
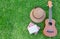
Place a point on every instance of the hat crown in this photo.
(38, 13)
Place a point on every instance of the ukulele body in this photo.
(50, 29)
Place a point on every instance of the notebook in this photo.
(33, 29)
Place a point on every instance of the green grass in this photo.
(14, 18)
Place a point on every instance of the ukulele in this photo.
(50, 29)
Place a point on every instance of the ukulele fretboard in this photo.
(50, 14)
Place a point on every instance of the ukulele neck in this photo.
(50, 14)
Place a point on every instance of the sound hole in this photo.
(50, 23)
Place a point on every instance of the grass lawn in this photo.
(14, 18)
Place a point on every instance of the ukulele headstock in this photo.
(50, 3)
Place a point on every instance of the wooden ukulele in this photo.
(50, 29)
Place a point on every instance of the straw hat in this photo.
(37, 15)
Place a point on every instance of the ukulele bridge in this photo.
(50, 31)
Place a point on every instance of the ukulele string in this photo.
(50, 17)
